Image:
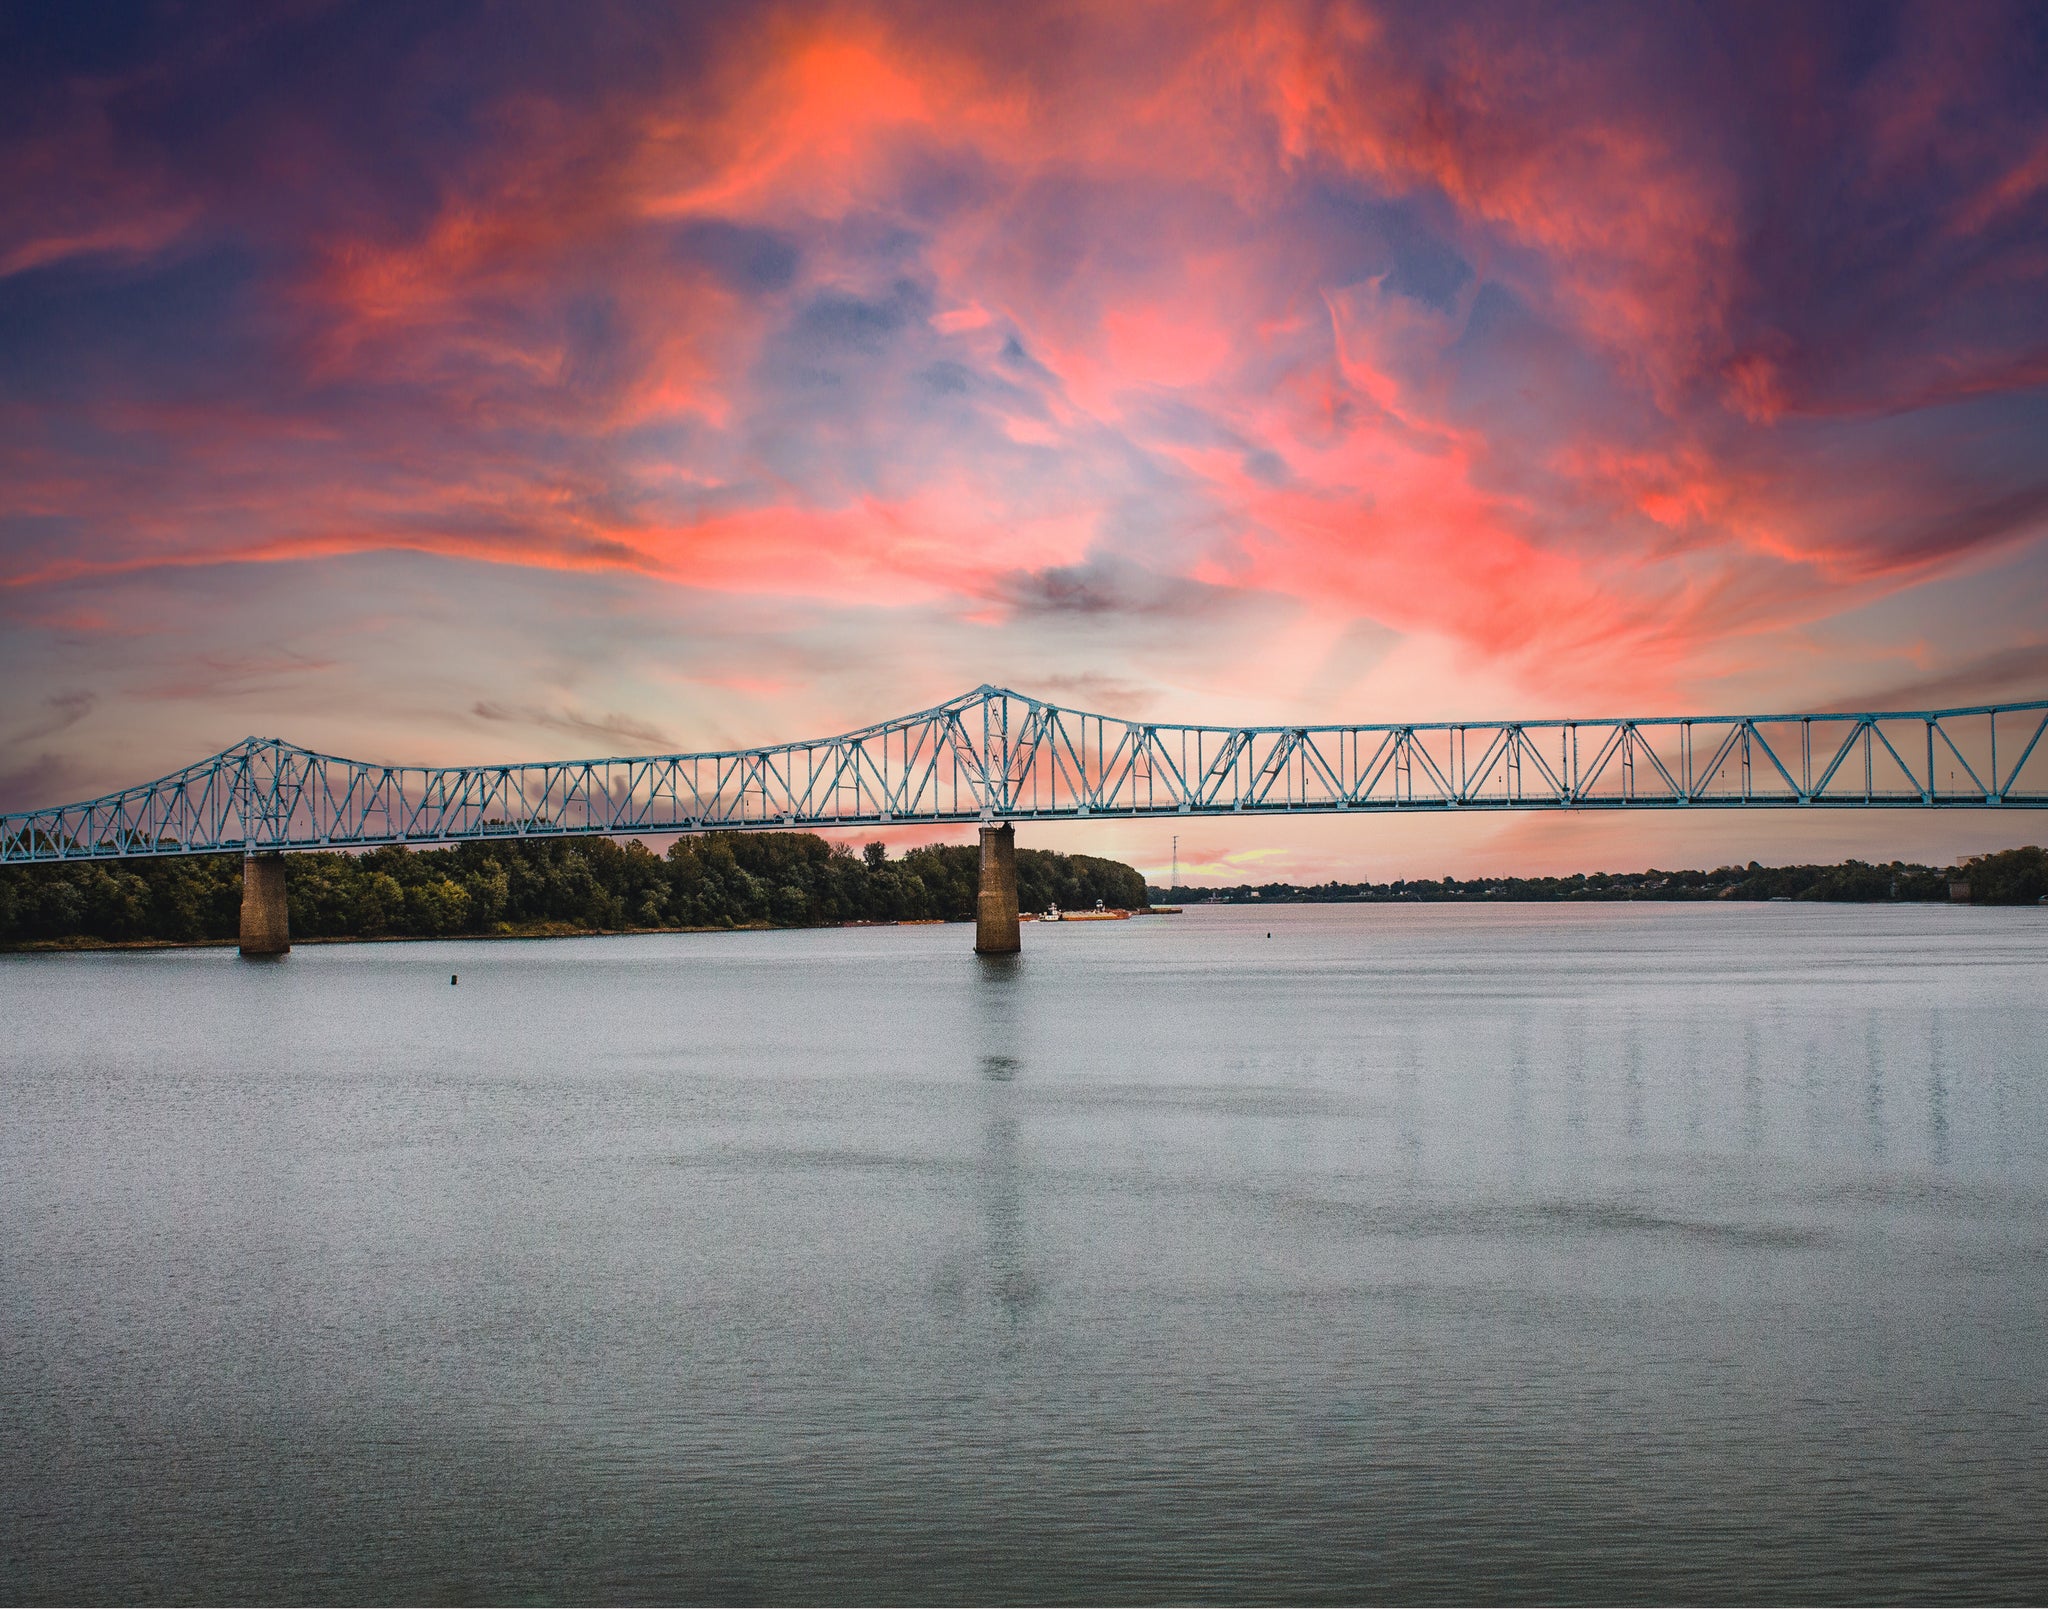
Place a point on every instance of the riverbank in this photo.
(539, 889)
(82, 943)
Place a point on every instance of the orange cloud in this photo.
(1427, 321)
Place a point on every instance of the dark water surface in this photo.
(1624, 1252)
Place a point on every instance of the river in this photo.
(1311, 1253)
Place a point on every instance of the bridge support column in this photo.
(996, 930)
(266, 924)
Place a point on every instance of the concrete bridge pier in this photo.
(996, 930)
(266, 924)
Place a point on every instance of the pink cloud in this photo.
(893, 314)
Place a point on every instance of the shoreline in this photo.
(79, 944)
(540, 931)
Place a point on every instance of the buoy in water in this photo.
(451, 976)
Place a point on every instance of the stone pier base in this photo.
(266, 926)
(996, 930)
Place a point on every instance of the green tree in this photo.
(2010, 877)
(436, 907)
(489, 888)
(379, 903)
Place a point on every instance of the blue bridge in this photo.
(997, 757)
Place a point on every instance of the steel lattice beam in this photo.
(998, 755)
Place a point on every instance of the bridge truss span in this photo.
(996, 755)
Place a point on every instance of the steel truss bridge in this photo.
(999, 756)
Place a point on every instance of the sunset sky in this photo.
(449, 383)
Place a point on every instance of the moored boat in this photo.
(1054, 914)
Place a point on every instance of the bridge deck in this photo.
(996, 755)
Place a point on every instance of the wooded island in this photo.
(541, 887)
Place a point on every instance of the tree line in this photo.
(2009, 877)
(714, 880)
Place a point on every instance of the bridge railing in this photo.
(996, 754)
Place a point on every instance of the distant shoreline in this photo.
(2006, 877)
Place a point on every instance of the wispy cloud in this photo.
(59, 710)
(601, 728)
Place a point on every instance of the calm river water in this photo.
(1421, 1253)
